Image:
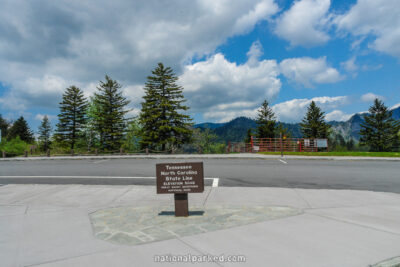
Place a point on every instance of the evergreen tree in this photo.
(44, 134)
(350, 144)
(266, 121)
(281, 129)
(20, 128)
(162, 123)
(249, 134)
(72, 116)
(313, 124)
(379, 130)
(92, 129)
(110, 113)
(3, 128)
(132, 137)
(342, 142)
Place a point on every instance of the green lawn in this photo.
(334, 153)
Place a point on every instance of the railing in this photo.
(93, 152)
(278, 145)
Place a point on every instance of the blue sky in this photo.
(229, 55)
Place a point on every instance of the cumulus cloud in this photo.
(305, 23)
(337, 115)
(309, 71)
(379, 18)
(369, 97)
(73, 42)
(295, 109)
(222, 90)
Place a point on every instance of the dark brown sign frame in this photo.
(180, 179)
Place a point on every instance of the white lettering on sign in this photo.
(180, 177)
(178, 167)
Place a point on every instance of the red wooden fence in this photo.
(278, 144)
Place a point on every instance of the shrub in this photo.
(14, 147)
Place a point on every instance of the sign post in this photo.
(180, 179)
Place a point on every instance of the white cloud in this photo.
(40, 117)
(369, 97)
(309, 71)
(350, 65)
(262, 10)
(337, 115)
(305, 23)
(222, 90)
(43, 91)
(254, 54)
(379, 18)
(73, 42)
(395, 106)
(225, 116)
(295, 109)
(133, 113)
(371, 67)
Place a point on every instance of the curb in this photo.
(87, 180)
(204, 156)
(73, 181)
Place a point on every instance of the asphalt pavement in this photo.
(358, 174)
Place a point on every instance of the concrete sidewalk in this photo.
(200, 156)
(49, 225)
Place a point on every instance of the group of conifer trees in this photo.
(313, 124)
(97, 122)
(379, 131)
(102, 122)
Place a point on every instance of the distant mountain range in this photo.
(236, 129)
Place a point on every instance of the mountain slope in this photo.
(236, 129)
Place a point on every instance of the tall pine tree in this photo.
(313, 124)
(20, 128)
(266, 121)
(72, 116)
(379, 131)
(44, 134)
(163, 124)
(110, 113)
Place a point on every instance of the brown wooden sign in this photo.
(180, 178)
